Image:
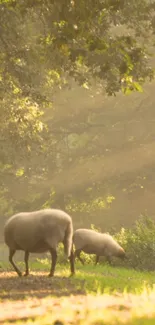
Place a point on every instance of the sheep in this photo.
(38, 232)
(100, 244)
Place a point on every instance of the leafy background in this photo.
(76, 130)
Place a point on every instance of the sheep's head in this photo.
(121, 253)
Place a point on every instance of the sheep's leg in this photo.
(53, 261)
(71, 259)
(97, 259)
(77, 254)
(26, 258)
(11, 254)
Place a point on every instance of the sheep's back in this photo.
(22, 231)
(93, 242)
(111, 245)
(87, 237)
(25, 230)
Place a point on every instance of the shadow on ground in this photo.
(39, 285)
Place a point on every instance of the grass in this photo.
(95, 296)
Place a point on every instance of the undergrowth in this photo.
(139, 244)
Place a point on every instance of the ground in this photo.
(96, 295)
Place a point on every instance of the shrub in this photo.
(139, 244)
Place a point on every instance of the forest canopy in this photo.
(44, 46)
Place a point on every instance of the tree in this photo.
(105, 41)
(44, 45)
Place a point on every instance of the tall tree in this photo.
(46, 44)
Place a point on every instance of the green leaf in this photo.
(20, 172)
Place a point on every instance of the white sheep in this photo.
(93, 242)
(38, 232)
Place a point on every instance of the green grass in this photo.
(96, 295)
(97, 279)
(102, 278)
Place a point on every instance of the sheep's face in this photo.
(121, 254)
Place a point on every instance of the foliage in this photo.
(139, 244)
(92, 226)
(93, 204)
(84, 44)
(44, 46)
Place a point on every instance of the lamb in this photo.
(100, 244)
(38, 232)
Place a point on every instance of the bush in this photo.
(139, 244)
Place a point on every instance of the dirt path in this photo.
(37, 285)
